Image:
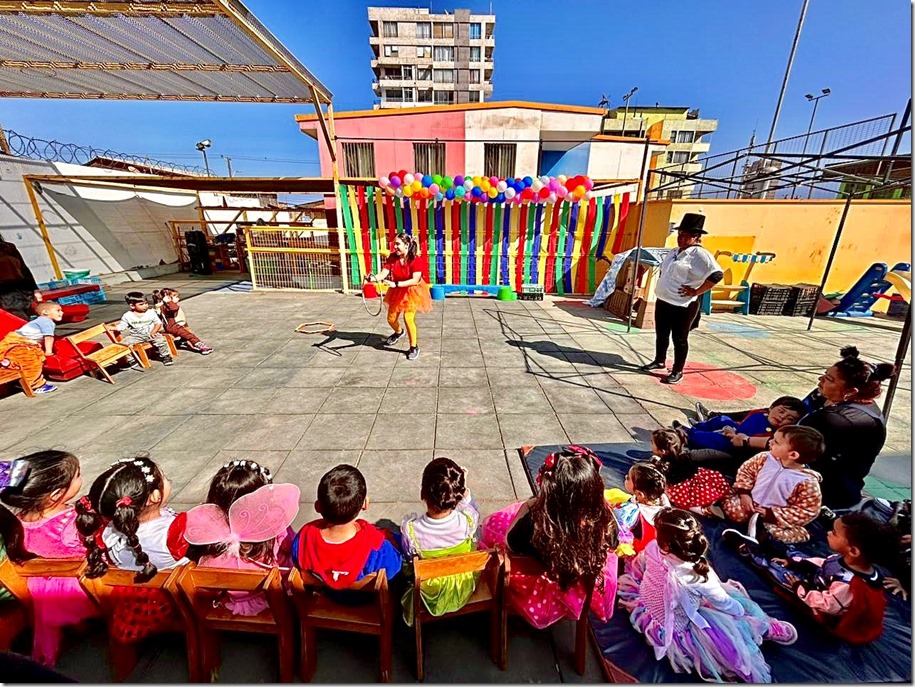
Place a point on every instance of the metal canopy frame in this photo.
(178, 50)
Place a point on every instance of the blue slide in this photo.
(862, 296)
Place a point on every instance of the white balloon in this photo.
(398, 192)
(509, 193)
(588, 195)
(501, 186)
(536, 185)
(545, 180)
(383, 182)
(468, 184)
(408, 178)
(562, 178)
(552, 198)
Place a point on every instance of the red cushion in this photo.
(65, 364)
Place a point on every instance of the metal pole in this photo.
(819, 159)
(645, 178)
(901, 350)
(625, 115)
(206, 162)
(781, 95)
(816, 101)
(832, 255)
(229, 165)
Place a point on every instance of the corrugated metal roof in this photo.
(147, 50)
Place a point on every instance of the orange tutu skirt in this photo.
(414, 298)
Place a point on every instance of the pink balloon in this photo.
(494, 181)
(588, 184)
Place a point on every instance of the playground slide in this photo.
(902, 282)
(862, 296)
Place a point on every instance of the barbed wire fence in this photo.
(33, 148)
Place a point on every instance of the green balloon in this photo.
(447, 182)
(437, 179)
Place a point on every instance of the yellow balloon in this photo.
(417, 185)
(408, 190)
(477, 180)
(484, 185)
(492, 192)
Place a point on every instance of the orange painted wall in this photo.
(800, 232)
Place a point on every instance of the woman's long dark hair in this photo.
(234, 480)
(573, 525)
(412, 245)
(861, 375)
(49, 471)
(118, 497)
(679, 533)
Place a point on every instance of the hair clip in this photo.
(124, 502)
(149, 478)
(13, 472)
(87, 504)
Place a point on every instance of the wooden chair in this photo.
(122, 656)
(731, 294)
(17, 616)
(140, 348)
(318, 611)
(487, 597)
(201, 589)
(102, 358)
(8, 374)
(526, 565)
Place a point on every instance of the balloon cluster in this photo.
(480, 189)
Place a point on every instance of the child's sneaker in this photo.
(202, 348)
(394, 338)
(45, 389)
(781, 632)
(168, 361)
(413, 353)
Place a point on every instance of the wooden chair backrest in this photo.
(526, 565)
(99, 588)
(87, 334)
(14, 576)
(488, 561)
(308, 597)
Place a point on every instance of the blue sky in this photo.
(726, 58)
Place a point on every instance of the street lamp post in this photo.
(626, 111)
(202, 147)
(815, 99)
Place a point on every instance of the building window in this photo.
(424, 51)
(391, 50)
(424, 74)
(423, 29)
(685, 137)
(499, 159)
(443, 53)
(476, 96)
(443, 30)
(443, 75)
(444, 97)
(359, 159)
(475, 32)
(424, 95)
(429, 158)
(475, 55)
(389, 29)
(678, 158)
(474, 76)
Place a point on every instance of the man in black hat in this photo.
(686, 274)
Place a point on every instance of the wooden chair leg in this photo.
(105, 374)
(210, 658)
(13, 620)
(309, 657)
(140, 353)
(123, 658)
(418, 631)
(27, 388)
(286, 650)
(496, 638)
(385, 642)
(173, 349)
(581, 642)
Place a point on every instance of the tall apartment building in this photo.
(679, 125)
(430, 59)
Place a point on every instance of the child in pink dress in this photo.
(243, 525)
(570, 529)
(125, 524)
(38, 522)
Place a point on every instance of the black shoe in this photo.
(413, 353)
(394, 338)
(653, 365)
(739, 541)
(673, 378)
(702, 412)
(676, 424)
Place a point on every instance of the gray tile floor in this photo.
(492, 377)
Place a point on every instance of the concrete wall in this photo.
(799, 232)
(508, 125)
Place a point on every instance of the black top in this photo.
(15, 275)
(854, 434)
(520, 536)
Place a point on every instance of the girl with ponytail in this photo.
(408, 292)
(852, 425)
(689, 615)
(124, 523)
(38, 521)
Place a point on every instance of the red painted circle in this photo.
(711, 383)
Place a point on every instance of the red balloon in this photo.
(544, 193)
(393, 174)
(527, 194)
(402, 173)
(570, 183)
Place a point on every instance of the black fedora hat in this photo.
(692, 223)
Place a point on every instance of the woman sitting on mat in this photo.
(408, 292)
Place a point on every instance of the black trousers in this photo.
(673, 321)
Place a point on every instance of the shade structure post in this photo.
(644, 184)
(832, 256)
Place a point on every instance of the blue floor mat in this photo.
(817, 656)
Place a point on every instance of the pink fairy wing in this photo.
(207, 524)
(265, 513)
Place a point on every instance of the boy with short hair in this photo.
(27, 347)
(340, 547)
(142, 325)
(722, 433)
(777, 489)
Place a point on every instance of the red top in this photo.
(402, 271)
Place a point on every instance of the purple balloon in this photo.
(458, 180)
(395, 181)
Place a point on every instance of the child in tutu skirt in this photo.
(570, 529)
(689, 615)
(408, 292)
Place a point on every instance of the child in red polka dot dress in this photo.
(689, 487)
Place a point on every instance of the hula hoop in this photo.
(373, 304)
(316, 328)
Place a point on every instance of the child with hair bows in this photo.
(243, 525)
(37, 521)
(690, 616)
(125, 524)
(568, 526)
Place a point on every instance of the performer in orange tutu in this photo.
(408, 292)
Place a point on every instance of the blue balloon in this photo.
(500, 198)
(476, 192)
(449, 194)
(427, 180)
(459, 191)
(440, 197)
(527, 182)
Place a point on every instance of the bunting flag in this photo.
(555, 245)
